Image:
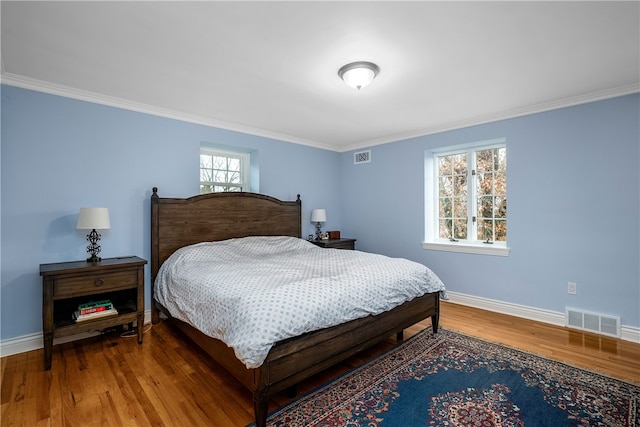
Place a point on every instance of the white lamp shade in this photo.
(318, 215)
(93, 218)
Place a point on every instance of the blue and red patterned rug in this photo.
(449, 379)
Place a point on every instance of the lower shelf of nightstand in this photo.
(64, 330)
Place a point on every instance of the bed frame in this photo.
(211, 217)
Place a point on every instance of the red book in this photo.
(94, 309)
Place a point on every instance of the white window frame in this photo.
(431, 239)
(244, 159)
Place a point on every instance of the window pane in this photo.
(485, 207)
(446, 186)
(501, 159)
(460, 188)
(219, 162)
(484, 183)
(206, 175)
(500, 184)
(234, 164)
(452, 191)
(460, 230)
(485, 230)
(445, 208)
(234, 177)
(444, 165)
(444, 231)
(460, 207)
(460, 164)
(220, 176)
(484, 160)
(501, 231)
(500, 207)
(205, 161)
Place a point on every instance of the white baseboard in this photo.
(34, 341)
(628, 333)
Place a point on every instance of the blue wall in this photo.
(574, 197)
(60, 154)
(573, 215)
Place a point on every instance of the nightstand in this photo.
(336, 243)
(66, 285)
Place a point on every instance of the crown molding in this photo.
(504, 115)
(97, 98)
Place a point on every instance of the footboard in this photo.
(295, 359)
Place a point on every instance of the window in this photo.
(468, 207)
(223, 171)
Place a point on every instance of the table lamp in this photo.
(93, 219)
(318, 216)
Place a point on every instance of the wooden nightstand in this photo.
(336, 243)
(66, 285)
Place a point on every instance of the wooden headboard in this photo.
(217, 216)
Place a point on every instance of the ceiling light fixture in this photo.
(358, 74)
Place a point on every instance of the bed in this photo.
(177, 224)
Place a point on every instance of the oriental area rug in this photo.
(449, 379)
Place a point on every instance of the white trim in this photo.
(69, 92)
(98, 98)
(502, 115)
(468, 249)
(627, 333)
(469, 146)
(32, 342)
(21, 344)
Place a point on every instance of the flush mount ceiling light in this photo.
(358, 74)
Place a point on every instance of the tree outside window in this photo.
(472, 195)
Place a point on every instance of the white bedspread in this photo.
(255, 291)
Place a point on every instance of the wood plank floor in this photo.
(110, 380)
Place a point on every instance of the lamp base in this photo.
(94, 248)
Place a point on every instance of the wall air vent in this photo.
(593, 322)
(362, 157)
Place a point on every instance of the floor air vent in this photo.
(594, 322)
(361, 157)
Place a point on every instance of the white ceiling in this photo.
(270, 68)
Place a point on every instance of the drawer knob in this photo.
(98, 282)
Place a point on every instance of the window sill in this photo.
(466, 248)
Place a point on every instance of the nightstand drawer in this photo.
(90, 284)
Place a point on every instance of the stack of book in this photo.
(93, 310)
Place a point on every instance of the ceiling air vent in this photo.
(594, 322)
(362, 157)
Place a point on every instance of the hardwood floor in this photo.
(166, 381)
